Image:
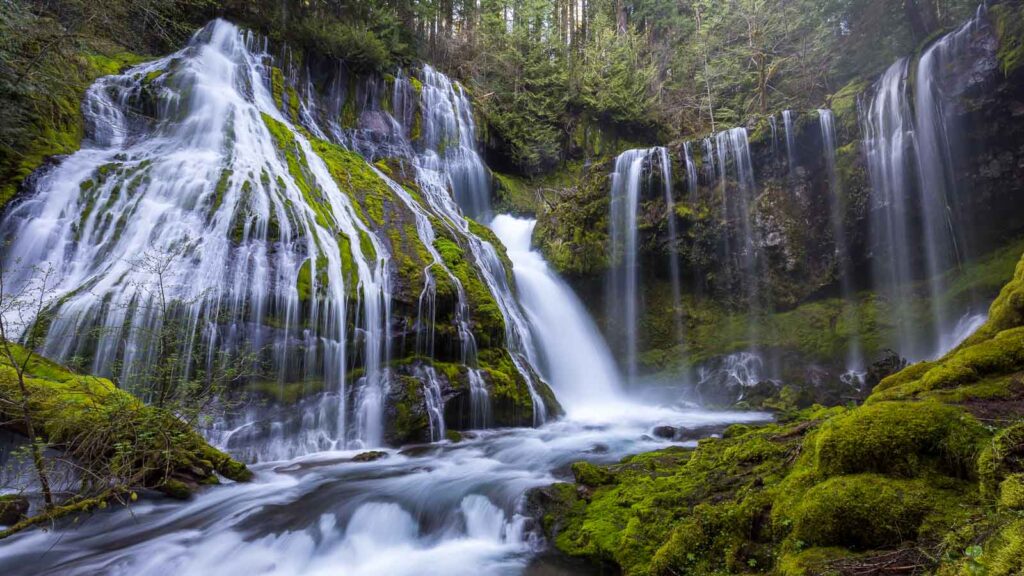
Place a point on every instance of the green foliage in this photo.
(354, 43)
(1009, 22)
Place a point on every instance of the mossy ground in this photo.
(909, 478)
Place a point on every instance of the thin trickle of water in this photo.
(787, 123)
(633, 174)
(691, 172)
(844, 268)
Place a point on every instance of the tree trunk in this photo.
(620, 17)
(37, 453)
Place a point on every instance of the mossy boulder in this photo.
(899, 439)
(865, 511)
(111, 434)
(1001, 458)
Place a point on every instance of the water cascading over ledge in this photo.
(227, 179)
(788, 244)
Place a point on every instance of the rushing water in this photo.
(438, 510)
(576, 360)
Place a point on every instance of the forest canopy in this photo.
(540, 70)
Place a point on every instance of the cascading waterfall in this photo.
(691, 172)
(938, 141)
(633, 170)
(262, 256)
(911, 155)
(575, 359)
(229, 244)
(449, 132)
(448, 165)
(844, 268)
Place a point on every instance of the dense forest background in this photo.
(540, 70)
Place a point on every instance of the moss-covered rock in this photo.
(113, 435)
(899, 439)
(865, 511)
(901, 481)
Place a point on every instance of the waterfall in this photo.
(574, 357)
(450, 134)
(938, 140)
(910, 151)
(844, 268)
(205, 205)
(787, 122)
(691, 172)
(222, 201)
(733, 151)
(633, 171)
(708, 160)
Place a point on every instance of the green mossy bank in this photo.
(117, 444)
(926, 477)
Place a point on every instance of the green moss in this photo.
(1001, 457)
(56, 125)
(293, 104)
(489, 323)
(1006, 556)
(985, 359)
(1009, 25)
(220, 189)
(416, 132)
(587, 474)
(152, 76)
(1011, 492)
(355, 177)
(514, 195)
(812, 561)
(277, 86)
(142, 446)
(902, 439)
(349, 113)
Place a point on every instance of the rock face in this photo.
(802, 313)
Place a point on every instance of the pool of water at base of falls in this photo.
(438, 509)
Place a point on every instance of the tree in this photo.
(20, 315)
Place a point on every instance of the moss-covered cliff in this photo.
(925, 476)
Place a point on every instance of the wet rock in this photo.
(666, 432)
(889, 364)
(370, 456)
(12, 509)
